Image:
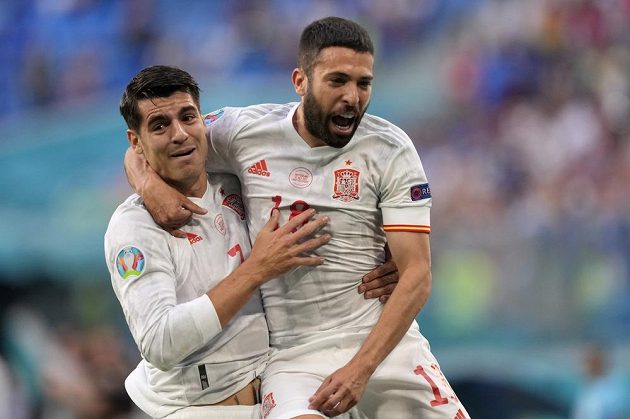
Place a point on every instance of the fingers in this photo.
(336, 405)
(193, 208)
(175, 219)
(272, 223)
(378, 282)
(312, 244)
(310, 227)
(321, 395)
(296, 221)
(307, 261)
(384, 291)
(386, 268)
(331, 399)
(177, 233)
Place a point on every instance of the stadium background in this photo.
(519, 109)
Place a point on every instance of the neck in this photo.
(300, 126)
(194, 189)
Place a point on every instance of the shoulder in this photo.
(244, 116)
(266, 111)
(229, 184)
(382, 130)
(131, 221)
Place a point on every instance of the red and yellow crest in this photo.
(346, 187)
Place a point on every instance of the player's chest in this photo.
(326, 180)
(215, 244)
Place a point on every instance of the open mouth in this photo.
(183, 153)
(344, 122)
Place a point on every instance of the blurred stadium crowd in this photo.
(524, 130)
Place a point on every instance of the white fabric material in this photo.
(317, 320)
(171, 319)
(217, 412)
(277, 168)
(397, 389)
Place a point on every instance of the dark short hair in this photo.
(331, 32)
(153, 82)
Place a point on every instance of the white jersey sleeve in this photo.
(405, 196)
(220, 131)
(140, 263)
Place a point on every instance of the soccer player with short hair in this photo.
(333, 349)
(193, 304)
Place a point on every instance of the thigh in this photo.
(217, 412)
(410, 384)
(285, 395)
(291, 378)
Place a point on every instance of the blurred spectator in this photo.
(72, 373)
(605, 395)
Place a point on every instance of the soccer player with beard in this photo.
(333, 349)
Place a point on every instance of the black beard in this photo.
(317, 123)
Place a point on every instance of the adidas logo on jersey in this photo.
(193, 238)
(260, 169)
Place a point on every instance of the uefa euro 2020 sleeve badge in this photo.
(130, 262)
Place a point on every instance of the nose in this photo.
(179, 132)
(351, 95)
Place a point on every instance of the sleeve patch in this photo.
(213, 116)
(130, 262)
(235, 203)
(419, 192)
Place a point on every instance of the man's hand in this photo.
(380, 282)
(341, 390)
(275, 251)
(169, 208)
(280, 249)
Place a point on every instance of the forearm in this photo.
(401, 309)
(179, 331)
(234, 291)
(183, 328)
(136, 170)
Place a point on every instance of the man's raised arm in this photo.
(169, 208)
(343, 388)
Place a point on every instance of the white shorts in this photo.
(407, 384)
(217, 412)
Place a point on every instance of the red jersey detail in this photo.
(346, 186)
(235, 203)
(268, 404)
(193, 238)
(259, 169)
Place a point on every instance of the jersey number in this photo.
(296, 208)
(236, 250)
(439, 399)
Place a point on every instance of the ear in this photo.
(134, 141)
(300, 81)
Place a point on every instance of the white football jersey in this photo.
(375, 183)
(161, 282)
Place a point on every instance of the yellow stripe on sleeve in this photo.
(407, 227)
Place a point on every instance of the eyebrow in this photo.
(161, 116)
(187, 109)
(346, 75)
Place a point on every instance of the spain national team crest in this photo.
(346, 187)
(235, 203)
(130, 262)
